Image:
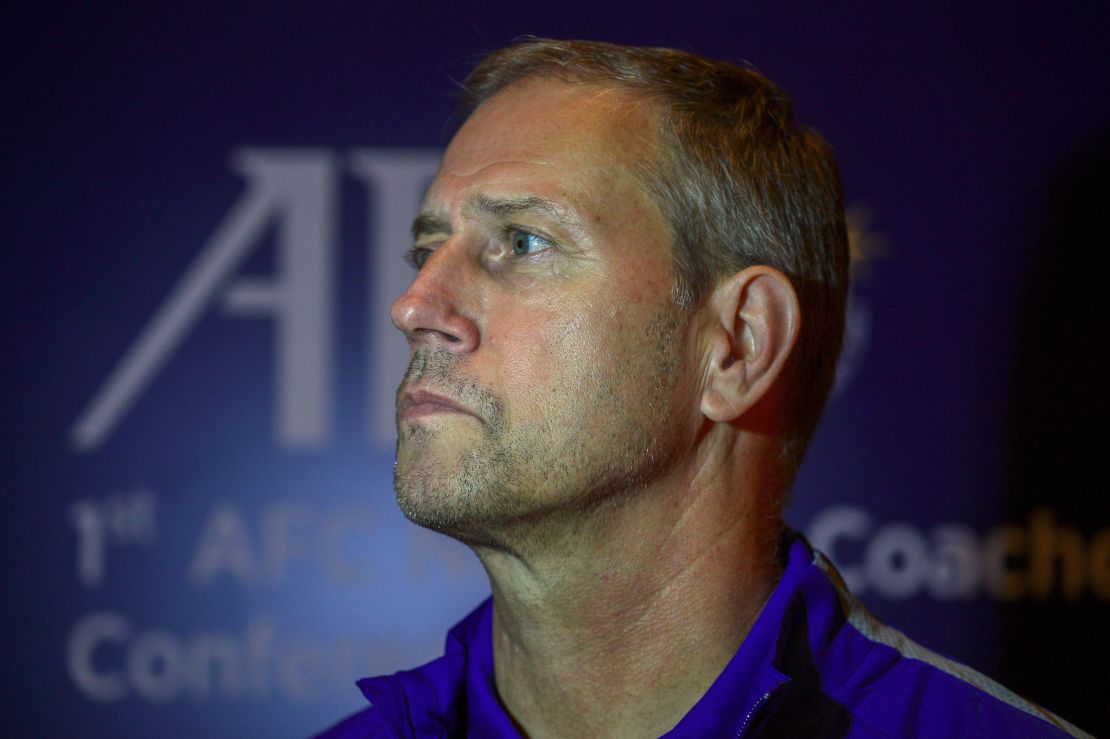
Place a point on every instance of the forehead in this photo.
(574, 143)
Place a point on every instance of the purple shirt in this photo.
(815, 664)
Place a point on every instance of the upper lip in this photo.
(417, 396)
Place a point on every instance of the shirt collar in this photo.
(458, 689)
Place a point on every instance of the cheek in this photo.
(542, 351)
(551, 351)
(575, 336)
(520, 347)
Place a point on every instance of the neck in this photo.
(618, 625)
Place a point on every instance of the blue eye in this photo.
(525, 243)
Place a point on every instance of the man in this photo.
(629, 302)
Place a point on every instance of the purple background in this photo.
(975, 148)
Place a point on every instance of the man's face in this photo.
(549, 366)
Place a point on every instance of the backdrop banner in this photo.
(205, 214)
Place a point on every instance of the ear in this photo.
(754, 324)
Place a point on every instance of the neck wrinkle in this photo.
(599, 638)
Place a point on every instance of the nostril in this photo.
(432, 334)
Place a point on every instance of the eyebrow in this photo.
(430, 223)
(427, 223)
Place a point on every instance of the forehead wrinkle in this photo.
(528, 204)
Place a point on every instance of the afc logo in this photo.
(294, 192)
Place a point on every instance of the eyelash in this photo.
(417, 256)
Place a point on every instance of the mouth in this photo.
(417, 403)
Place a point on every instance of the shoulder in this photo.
(892, 686)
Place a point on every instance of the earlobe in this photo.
(755, 319)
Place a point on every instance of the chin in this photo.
(467, 500)
(437, 506)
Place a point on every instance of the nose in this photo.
(433, 310)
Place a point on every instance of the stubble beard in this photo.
(602, 436)
(460, 496)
